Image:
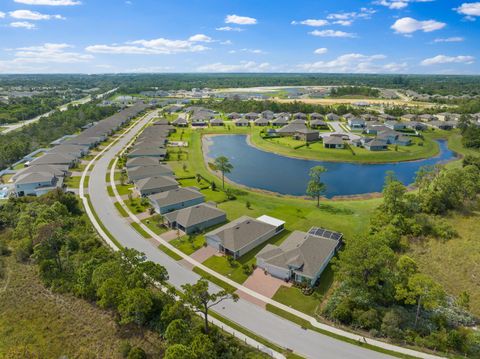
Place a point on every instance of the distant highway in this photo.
(18, 125)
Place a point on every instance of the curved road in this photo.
(270, 326)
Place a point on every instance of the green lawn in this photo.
(286, 146)
(135, 205)
(153, 224)
(308, 304)
(74, 182)
(19, 166)
(120, 209)
(189, 244)
(222, 266)
(121, 189)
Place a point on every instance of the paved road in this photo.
(276, 329)
(16, 126)
(339, 129)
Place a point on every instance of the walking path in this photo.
(275, 329)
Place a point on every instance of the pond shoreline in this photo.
(206, 142)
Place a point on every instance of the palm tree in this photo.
(223, 165)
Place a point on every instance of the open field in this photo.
(349, 101)
(34, 322)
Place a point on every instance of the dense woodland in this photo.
(355, 91)
(382, 290)
(24, 108)
(15, 145)
(134, 83)
(52, 233)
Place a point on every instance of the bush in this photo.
(368, 319)
(124, 349)
(391, 324)
(247, 270)
(137, 353)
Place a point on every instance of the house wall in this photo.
(156, 190)
(31, 189)
(274, 271)
(204, 225)
(176, 206)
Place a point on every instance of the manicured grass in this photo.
(120, 209)
(140, 230)
(153, 224)
(121, 189)
(36, 322)
(135, 205)
(170, 253)
(74, 182)
(19, 166)
(222, 266)
(188, 244)
(286, 146)
(6, 178)
(214, 280)
(308, 304)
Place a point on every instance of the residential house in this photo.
(409, 117)
(142, 162)
(375, 144)
(332, 117)
(261, 121)
(333, 142)
(316, 116)
(395, 125)
(356, 123)
(151, 185)
(148, 152)
(233, 116)
(196, 218)
(307, 135)
(175, 199)
(268, 115)
(141, 172)
(36, 183)
(55, 159)
(394, 138)
(299, 116)
(291, 129)
(279, 121)
(251, 116)
(302, 257)
(242, 122)
(427, 118)
(318, 124)
(243, 234)
(216, 122)
(180, 122)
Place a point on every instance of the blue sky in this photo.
(344, 36)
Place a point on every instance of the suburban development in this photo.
(324, 210)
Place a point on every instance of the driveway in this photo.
(264, 284)
(340, 130)
(204, 253)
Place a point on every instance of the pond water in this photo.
(268, 171)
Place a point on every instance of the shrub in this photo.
(137, 353)
(124, 349)
(247, 269)
(368, 319)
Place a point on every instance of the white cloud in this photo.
(347, 18)
(470, 10)
(251, 51)
(48, 53)
(244, 66)
(200, 38)
(33, 15)
(408, 25)
(23, 25)
(150, 69)
(321, 51)
(331, 33)
(2, 15)
(311, 22)
(398, 4)
(159, 46)
(229, 28)
(354, 63)
(443, 59)
(49, 2)
(450, 39)
(240, 20)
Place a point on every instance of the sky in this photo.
(316, 36)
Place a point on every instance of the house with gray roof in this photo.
(395, 125)
(299, 115)
(375, 144)
(148, 152)
(316, 116)
(333, 142)
(180, 122)
(196, 218)
(332, 117)
(291, 129)
(302, 257)
(356, 123)
(151, 185)
(242, 122)
(216, 122)
(269, 115)
(56, 170)
(394, 138)
(243, 234)
(175, 199)
(261, 121)
(36, 183)
(280, 121)
(233, 116)
(318, 124)
(140, 172)
(307, 135)
(142, 162)
(251, 116)
(55, 159)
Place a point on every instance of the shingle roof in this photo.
(292, 127)
(333, 140)
(35, 177)
(149, 171)
(241, 232)
(191, 216)
(155, 183)
(175, 196)
(303, 251)
(142, 162)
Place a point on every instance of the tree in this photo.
(223, 165)
(135, 306)
(178, 351)
(393, 193)
(316, 187)
(203, 347)
(422, 291)
(198, 297)
(178, 332)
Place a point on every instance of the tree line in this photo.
(354, 90)
(382, 289)
(16, 144)
(52, 233)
